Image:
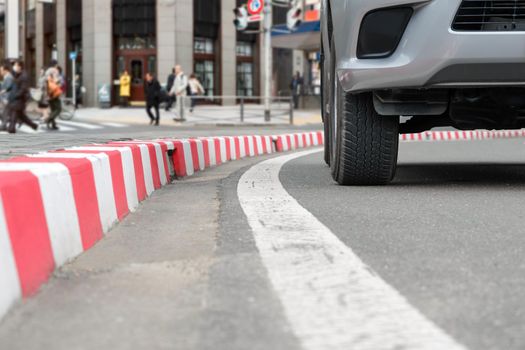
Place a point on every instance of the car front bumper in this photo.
(430, 54)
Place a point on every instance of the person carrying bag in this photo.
(54, 92)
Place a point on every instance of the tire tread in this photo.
(369, 142)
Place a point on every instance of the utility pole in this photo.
(267, 33)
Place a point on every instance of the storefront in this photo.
(300, 50)
(135, 47)
(140, 36)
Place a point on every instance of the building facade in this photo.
(110, 36)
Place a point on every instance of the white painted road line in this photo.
(331, 298)
(27, 130)
(114, 125)
(42, 129)
(80, 125)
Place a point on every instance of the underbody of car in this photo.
(458, 63)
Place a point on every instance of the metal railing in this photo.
(248, 108)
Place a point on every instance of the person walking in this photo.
(17, 100)
(78, 91)
(169, 86)
(54, 92)
(43, 104)
(296, 86)
(125, 88)
(196, 89)
(62, 79)
(152, 90)
(179, 90)
(7, 85)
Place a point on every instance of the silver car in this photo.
(457, 63)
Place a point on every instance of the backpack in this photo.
(53, 89)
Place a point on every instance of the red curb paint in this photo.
(29, 235)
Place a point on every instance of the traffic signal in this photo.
(241, 18)
(294, 16)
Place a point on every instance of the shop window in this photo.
(245, 69)
(205, 72)
(245, 85)
(203, 46)
(31, 4)
(315, 73)
(244, 49)
(135, 43)
(134, 18)
(152, 64)
(137, 72)
(121, 66)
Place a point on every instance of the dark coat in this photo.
(296, 85)
(152, 91)
(19, 94)
(171, 80)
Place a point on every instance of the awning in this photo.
(306, 37)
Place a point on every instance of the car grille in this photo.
(495, 15)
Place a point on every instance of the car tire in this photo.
(366, 147)
(325, 83)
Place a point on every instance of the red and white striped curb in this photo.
(294, 141)
(56, 205)
(458, 135)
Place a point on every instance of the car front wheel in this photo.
(366, 144)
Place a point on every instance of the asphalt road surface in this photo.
(269, 253)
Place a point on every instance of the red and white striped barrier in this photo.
(197, 154)
(290, 142)
(458, 135)
(56, 205)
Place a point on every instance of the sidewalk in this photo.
(78, 194)
(204, 115)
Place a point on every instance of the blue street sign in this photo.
(73, 55)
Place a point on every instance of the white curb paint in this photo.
(128, 169)
(146, 164)
(211, 151)
(188, 159)
(10, 290)
(233, 152)
(103, 183)
(251, 146)
(200, 153)
(222, 145)
(160, 164)
(59, 206)
(242, 146)
(331, 298)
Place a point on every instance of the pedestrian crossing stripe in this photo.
(68, 126)
(114, 125)
(81, 125)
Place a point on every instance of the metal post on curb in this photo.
(267, 40)
(291, 110)
(241, 106)
(74, 69)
